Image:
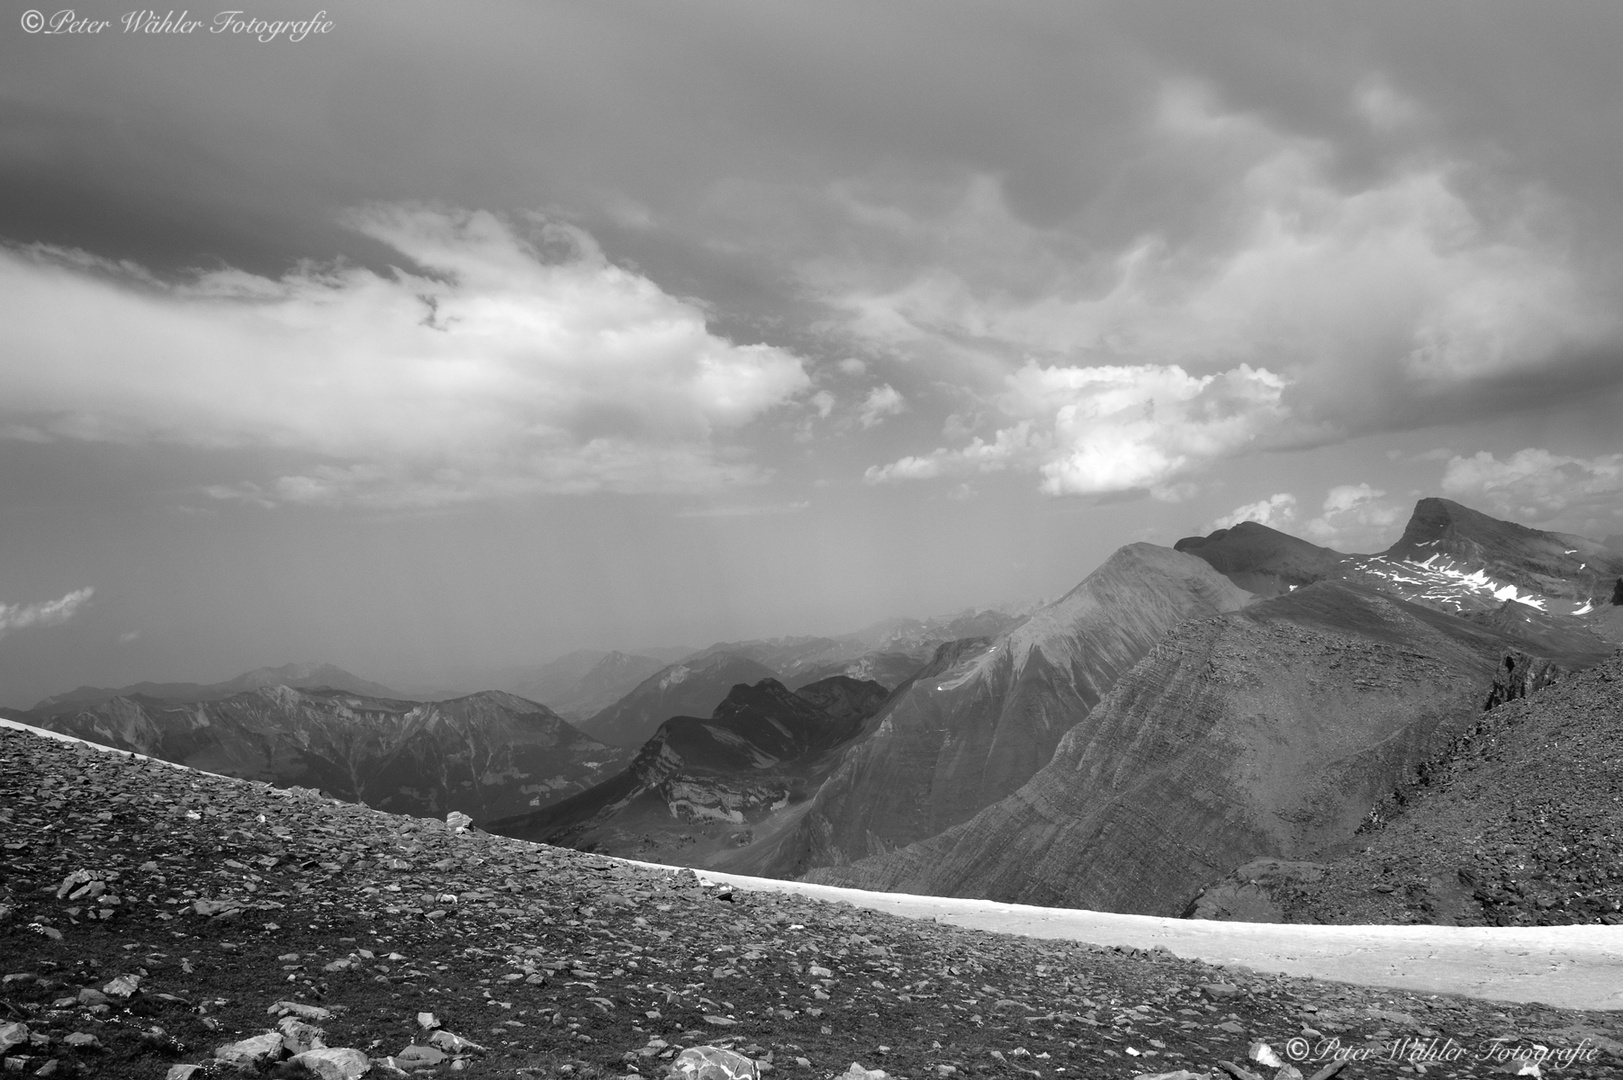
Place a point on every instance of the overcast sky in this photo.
(472, 334)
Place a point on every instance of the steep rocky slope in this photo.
(1262, 560)
(987, 714)
(1519, 823)
(487, 755)
(693, 687)
(244, 912)
(705, 785)
(1266, 732)
(309, 676)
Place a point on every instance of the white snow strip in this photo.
(1575, 967)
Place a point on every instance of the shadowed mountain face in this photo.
(1520, 823)
(1266, 732)
(691, 688)
(299, 676)
(487, 755)
(1262, 560)
(700, 786)
(986, 714)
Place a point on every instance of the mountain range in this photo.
(487, 755)
(307, 676)
(1205, 729)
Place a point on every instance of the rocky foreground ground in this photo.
(154, 919)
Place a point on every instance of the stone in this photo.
(253, 1052)
(857, 1072)
(1263, 1054)
(427, 1021)
(122, 987)
(719, 1021)
(453, 1044)
(416, 1056)
(1181, 1074)
(81, 1040)
(300, 1009)
(299, 1036)
(458, 821)
(341, 1063)
(12, 1034)
(712, 1063)
(181, 1072)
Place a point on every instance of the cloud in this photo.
(1534, 486)
(1322, 303)
(47, 613)
(517, 360)
(823, 402)
(1276, 512)
(881, 402)
(1098, 430)
(852, 366)
(1355, 517)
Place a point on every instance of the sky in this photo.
(426, 338)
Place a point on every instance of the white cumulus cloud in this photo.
(1093, 430)
(1536, 487)
(1356, 517)
(881, 402)
(520, 361)
(1276, 511)
(45, 613)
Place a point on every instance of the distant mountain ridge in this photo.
(306, 676)
(488, 755)
(693, 687)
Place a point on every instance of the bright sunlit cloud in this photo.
(518, 361)
(1277, 511)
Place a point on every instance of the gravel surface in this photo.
(152, 917)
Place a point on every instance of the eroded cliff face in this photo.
(487, 755)
(1263, 733)
(986, 715)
